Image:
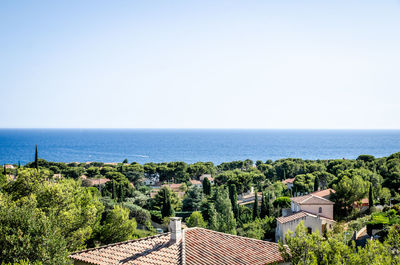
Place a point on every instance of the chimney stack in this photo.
(175, 227)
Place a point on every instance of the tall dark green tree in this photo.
(256, 213)
(233, 197)
(19, 164)
(316, 183)
(166, 209)
(121, 196)
(36, 159)
(206, 186)
(370, 197)
(269, 208)
(263, 211)
(5, 170)
(114, 190)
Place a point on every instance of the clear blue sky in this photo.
(200, 64)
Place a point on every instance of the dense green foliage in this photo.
(304, 248)
(44, 218)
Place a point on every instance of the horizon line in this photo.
(167, 128)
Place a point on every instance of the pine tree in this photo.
(316, 183)
(370, 197)
(5, 170)
(19, 164)
(206, 186)
(233, 197)
(36, 159)
(264, 209)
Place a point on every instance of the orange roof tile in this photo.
(287, 181)
(292, 217)
(324, 193)
(298, 215)
(310, 199)
(203, 246)
(197, 246)
(150, 250)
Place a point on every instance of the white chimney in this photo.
(175, 228)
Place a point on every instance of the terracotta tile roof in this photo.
(324, 193)
(286, 181)
(310, 199)
(292, 217)
(195, 182)
(100, 181)
(206, 247)
(299, 215)
(198, 246)
(150, 250)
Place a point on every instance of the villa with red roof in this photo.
(315, 211)
(191, 246)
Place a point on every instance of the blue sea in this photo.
(161, 145)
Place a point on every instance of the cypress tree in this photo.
(122, 193)
(233, 197)
(316, 183)
(36, 159)
(370, 197)
(212, 217)
(269, 206)
(19, 164)
(166, 209)
(263, 211)
(206, 186)
(256, 213)
(114, 191)
(5, 170)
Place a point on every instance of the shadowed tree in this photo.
(36, 159)
(233, 197)
(206, 186)
(370, 197)
(256, 213)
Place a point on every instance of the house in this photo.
(96, 182)
(8, 166)
(315, 211)
(188, 246)
(149, 182)
(196, 183)
(289, 183)
(211, 179)
(326, 194)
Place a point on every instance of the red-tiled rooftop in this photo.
(203, 246)
(292, 217)
(198, 246)
(323, 193)
(150, 250)
(287, 181)
(298, 215)
(310, 199)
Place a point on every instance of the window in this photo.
(309, 230)
(320, 210)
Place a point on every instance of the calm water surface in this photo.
(114, 145)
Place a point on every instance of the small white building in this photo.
(315, 211)
(289, 183)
